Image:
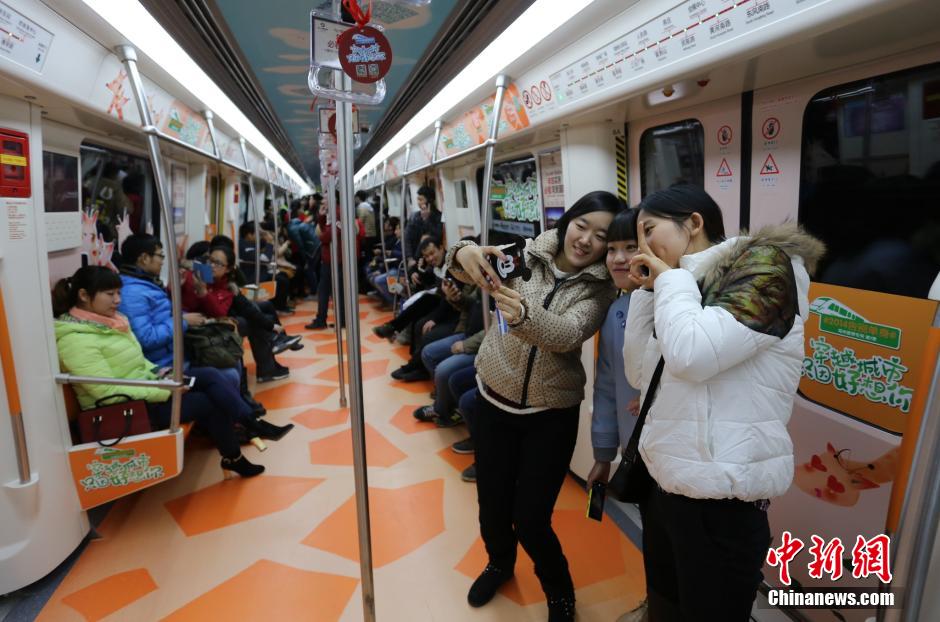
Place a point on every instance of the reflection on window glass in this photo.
(115, 183)
(60, 182)
(514, 200)
(672, 154)
(870, 184)
(461, 186)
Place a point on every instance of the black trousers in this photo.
(325, 291)
(703, 557)
(259, 338)
(521, 463)
(418, 309)
(212, 405)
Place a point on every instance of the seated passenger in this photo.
(247, 257)
(420, 305)
(93, 339)
(217, 300)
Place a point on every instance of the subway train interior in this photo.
(176, 179)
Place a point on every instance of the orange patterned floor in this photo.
(283, 546)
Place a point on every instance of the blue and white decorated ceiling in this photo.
(274, 38)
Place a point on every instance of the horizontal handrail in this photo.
(486, 143)
(120, 382)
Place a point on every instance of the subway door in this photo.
(462, 209)
(41, 522)
(699, 145)
(854, 156)
(588, 163)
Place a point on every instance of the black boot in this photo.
(385, 331)
(561, 609)
(487, 584)
(269, 431)
(241, 466)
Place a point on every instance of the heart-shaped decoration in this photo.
(818, 463)
(834, 485)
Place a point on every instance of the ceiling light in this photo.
(537, 22)
(141, 30)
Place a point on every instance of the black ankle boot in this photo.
(268, 431)
(487, 584)
(561, 609)
(241, 466)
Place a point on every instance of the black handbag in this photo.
(631, 481)
(213, 344)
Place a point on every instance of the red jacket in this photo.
(217, 301)
(326, 237)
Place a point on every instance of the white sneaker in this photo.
(636, 615)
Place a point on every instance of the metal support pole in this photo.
(344, 151)
(253, 208)
(913, 544)
(404, 218)
(276, 214)
(384, 264)
(336, 286)
(502, 82)
(13, 397)
(128, 56)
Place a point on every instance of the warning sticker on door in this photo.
(770, 166)
(724, 170)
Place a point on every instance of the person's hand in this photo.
(456, 347)
(199, 286)
(600, 472)
(451, 291)
(510, 304)
(194, 319)
(427, 327)
(415, 278)
(634, 406)
(473, 260)
(645, 265)
(377, 251)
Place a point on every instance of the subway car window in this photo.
(60, 182)
(115, 184)
(671, 154)
(870, 183)
(514, 199)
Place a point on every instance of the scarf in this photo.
(118, 322)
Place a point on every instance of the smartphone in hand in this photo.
(204, 271)
(596, 497)
(513, 265)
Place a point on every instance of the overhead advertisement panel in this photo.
(689, 28)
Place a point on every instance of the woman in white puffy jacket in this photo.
(726, 316)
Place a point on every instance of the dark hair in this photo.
(317, 196)
(229, 257)
(222, 240)
(92, 279)
(596, 201)
(678, 203)
(197, 250)
(393, 222)
(426, 242)
(362, 195)
(246, 229)
(428, 193)
(623, 227)
(138, 244)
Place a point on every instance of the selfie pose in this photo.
(531, 385)
(723, 319)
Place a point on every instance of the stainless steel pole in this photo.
(128, 56)
(502, 82)
(275, 212)
(913, 544)
(253, 208)
(345, 155)
(404, 218)
(336, 287)
(383, 263)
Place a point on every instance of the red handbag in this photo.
(113, 421)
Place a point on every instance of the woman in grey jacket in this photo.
(531, 382)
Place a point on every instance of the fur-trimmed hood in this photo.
(805, 252)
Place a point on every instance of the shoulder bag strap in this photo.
(651, 390)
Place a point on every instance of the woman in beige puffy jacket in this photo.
(531, 383)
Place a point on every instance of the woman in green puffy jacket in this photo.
(93, 339)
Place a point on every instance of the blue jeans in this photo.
(381, 285)
(444, 399)
(436, 351)
(464, 390)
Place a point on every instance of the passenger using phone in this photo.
(531, 385)
(94, 339)
(726, 318)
